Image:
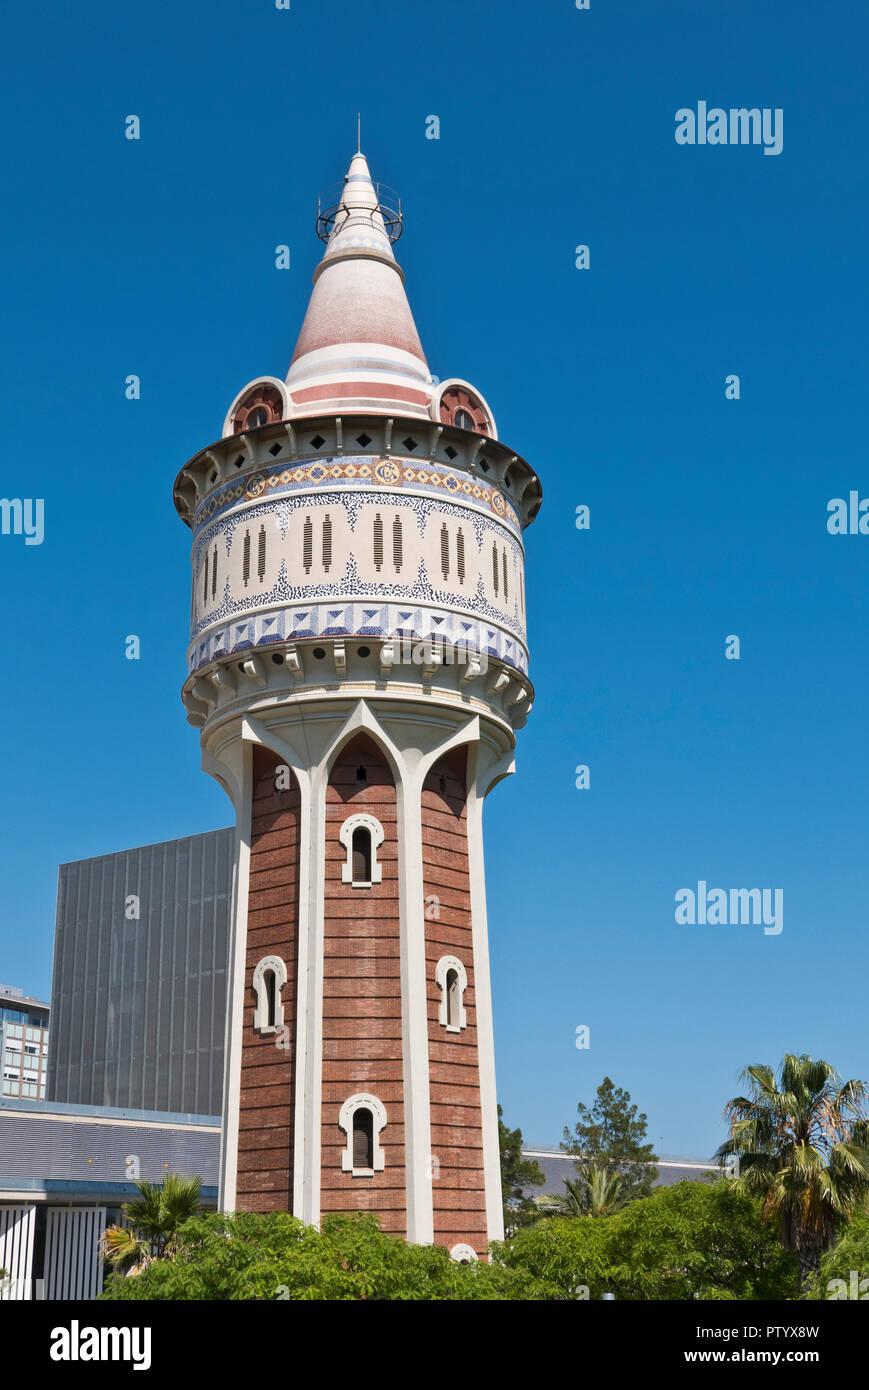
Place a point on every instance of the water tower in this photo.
(358, 670)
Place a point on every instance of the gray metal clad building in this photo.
(139, 982)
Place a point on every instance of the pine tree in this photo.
(611, 1135)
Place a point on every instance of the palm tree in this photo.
(153, 1224)
(596, 1192)
(803, 1146)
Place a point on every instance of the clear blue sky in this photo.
(708, 516)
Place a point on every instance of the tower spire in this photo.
(358, 348)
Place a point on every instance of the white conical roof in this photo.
(359, 349)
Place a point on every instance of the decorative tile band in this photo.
(359, 472)
(356, 619)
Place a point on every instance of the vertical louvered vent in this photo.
(245, 558)
(495, 569)
(327, 542)
(445, 551)
(460, 555)
(308, 545)
(396, 544)
(363, 1139)
(261, 554)
(378, 542)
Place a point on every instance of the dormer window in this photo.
(261, 406)
(461, 407)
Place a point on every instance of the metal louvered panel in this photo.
(72, 1263)
(16, 1252)
(59, 1149)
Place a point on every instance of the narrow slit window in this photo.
(261, 554)
(495, 569)
(378, 542)
(445, 551)
(361, 835)
(327, 543)
(205, 580)
(308, 545)
(270, 985)
(453, 998)
(269, 978)
(452, 981)
(214, 572)
(460, 554)
(504, 558)
(363, 1138)
(245, 558)
(396, 544)
(362, 1118)
(361, 855)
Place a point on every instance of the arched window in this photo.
(452, 981)
(361, 835)
(362, 1118)
(463, 1254)
(464, 421)
(361, 857)
(261, 405)
(269, 978)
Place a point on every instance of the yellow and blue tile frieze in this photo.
(359, 471)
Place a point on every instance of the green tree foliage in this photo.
(274, 1257)
(612, 1135)
(846, 1262)
(153, 1223)
(694, 1240)
(596, 1192)
(517, 1174)
(802, 1141)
